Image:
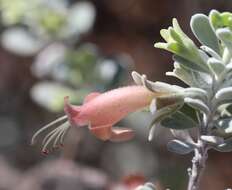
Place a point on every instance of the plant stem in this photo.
(198, 165)
(201, 152)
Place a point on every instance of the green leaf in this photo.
(220, 20)
(180, 147)
(180, 44)
(178, 120)
(226, 18)
(175, 36)
(161, 45)
(203, 31)
(215, 19)
(165, 34)
(178, 29)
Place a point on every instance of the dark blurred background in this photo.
(50, 49)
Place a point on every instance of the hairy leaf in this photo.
(178, 120)
(203, 31)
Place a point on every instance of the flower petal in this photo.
(91, 96)
(71, 111)
(101, 132)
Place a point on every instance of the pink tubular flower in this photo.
(100, 112)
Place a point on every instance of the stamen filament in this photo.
(58, 137)
(49, 135)
(64, 132)
(46, 127)
(54, 135)
(49, 140)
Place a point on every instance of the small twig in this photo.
(198, 165)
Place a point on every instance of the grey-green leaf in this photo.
(211, 52)
(178, 120)
(183, 135)
(179, 147)
(137, 78)
(212, 139)
(224, 147)
(223, 128)
(193, 92)
(191, 65)
(216, 66)
(203, 31)
(224, 94)
(191, 77)
(164, 112)
(225, 35)
(197, 104)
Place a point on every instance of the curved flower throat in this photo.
(99, 112)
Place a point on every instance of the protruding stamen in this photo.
(62, 138)
(46, 127)
(58, 137)
(49, 135)
(55, 135)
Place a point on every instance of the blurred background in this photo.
(50, 49)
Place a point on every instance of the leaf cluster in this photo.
(207, 70)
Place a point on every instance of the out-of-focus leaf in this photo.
(81, 18)
(107, 69)
(46, 61)
(50, 95)
(20, 42)
(180, 147)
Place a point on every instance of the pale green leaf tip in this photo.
(160, 45)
